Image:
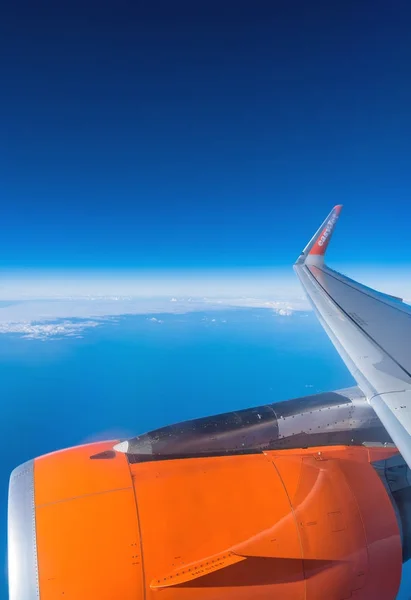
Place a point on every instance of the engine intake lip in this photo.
(22, 543)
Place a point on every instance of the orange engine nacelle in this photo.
(293, 524)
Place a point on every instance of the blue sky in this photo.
(197, 136)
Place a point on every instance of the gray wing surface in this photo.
(370, 330)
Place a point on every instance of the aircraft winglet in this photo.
(316, 248)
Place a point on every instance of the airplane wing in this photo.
(370, 330)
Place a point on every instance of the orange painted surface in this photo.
(295, 516)
(67, 473)
(329, 526)
(380, 528)
(347, 477)
(193, 510)
(323, 239)
(307, 524)
(87, 530)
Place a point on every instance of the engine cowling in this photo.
(299, 524)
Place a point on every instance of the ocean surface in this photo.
(137, 373)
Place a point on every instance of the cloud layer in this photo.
(53, 319)
(48, 306)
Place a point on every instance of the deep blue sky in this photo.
(188, 134)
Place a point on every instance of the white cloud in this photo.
(284, 312)
(45, 331)
(281, 307)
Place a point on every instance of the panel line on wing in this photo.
(360, 289)
(354, 322)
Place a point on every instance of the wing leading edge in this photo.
(370, 330)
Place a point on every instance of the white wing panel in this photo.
(371, 331)
(386, 322)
